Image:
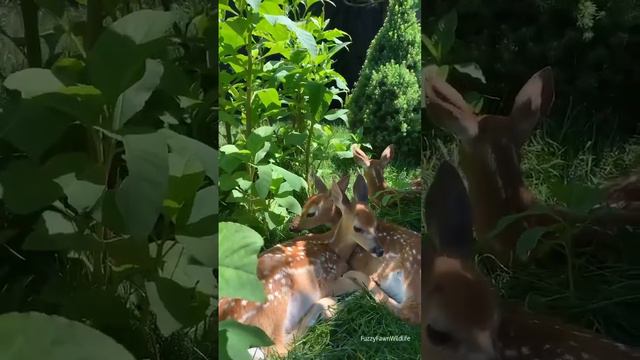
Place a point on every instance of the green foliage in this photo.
(118, 189)
(397, 42)
(35, 335)
(393, 107)
(278, 87)
(589, 43)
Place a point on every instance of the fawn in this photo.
(490, 155)
(374, 172)
(319, 209)
(395, 277)
(302, 276)
(462, 315)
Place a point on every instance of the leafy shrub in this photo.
(277, 85)
(393, 100)
(398, 42)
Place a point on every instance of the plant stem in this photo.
(31, 32)
(249, 93)
(95, 16)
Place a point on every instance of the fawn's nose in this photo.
(378, 251)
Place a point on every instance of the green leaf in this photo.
(188, 147)
(141, 193)
(579, 198)
(236, 339)
(269, 98)
(316, 94)
(263, 184)
(295, 182)
(117, 60)
(290, 203)
(174, 305)
(179, 267)
(446, 32)
(508, 220)
(35, 335)
(305, 38)
(27, 188)
(335, 114)
(68, 70)
(529, 239)
(33, 82)
(133, 99)
(471, 69)
(238, 261)
(55, 232)
(143, 26)
(18, 128)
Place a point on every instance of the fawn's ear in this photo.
(446, 107)
(387, 155)
(360, 190)
(339, 198)
(447, 213)
(359, 156)
(320, 186)
(343, 183)
(532, 102)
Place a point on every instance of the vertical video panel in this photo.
(108, 178)
(320, 189)
(530, 148)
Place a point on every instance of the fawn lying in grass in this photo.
(463, 318)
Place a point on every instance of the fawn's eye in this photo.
(357, 229)
(437, 337)
(311, 214)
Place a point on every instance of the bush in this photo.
(393, 108)
(398, 43)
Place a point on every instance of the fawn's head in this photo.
(319, 208)
(459, 308)
(358, 223)
(490, 150)
(373, 168)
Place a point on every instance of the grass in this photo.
(358, 315)
(606, 294)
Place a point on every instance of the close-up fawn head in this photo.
(358, 220)
(490, 145)
(459, 308)
(319, 208)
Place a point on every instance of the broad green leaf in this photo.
(305, 38)
(233, 33)
(188, 147)
(18, 127)
(508, 220)
(35, 335)
(236, 339)
(196, 227)
(117, 60)
(269, 98)
(335, 114)
(174, 305)
(446, 32)
(133, 99)
(529, 239)
(578, 197)
(263, 184)
(187, 175)
(179, 267)
(315, 92)
(33, 82)
(143, 26)
(295, 138)
(238, 261)
(290, 203)
(295, 182)
(471, 69)
(141, 193)
(55, 232)
(68, 70)
(27, 188)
